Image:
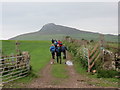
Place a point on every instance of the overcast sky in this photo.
(19, 18)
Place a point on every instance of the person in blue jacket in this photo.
(52, 50)
(58, 51)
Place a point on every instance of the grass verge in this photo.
(102, 82)
(59, 71)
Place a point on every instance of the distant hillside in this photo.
(54, 31)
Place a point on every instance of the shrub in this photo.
(107, 73)
(74, 49)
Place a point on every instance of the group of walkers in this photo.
(56, 49)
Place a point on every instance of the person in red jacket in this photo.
(60, 43)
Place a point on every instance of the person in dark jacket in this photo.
(58, 51)
(52, 41)
(55, 40)
(55, 43)
(64, 48)
(52, 50)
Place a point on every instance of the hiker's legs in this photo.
(57, 57)
(53, 55)
(64, 53)
(60, 59)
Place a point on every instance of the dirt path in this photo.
(75, 80)
(44, 79)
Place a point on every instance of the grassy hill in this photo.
(51, 30)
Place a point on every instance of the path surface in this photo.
(46, 80)
(43, 80)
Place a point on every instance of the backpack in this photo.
(58, 51)
(63, 48)
(52, 48)
(60, 44)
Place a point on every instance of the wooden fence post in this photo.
(102, 45)
(17, 47)
(88, 60)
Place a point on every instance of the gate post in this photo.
(17, 47)
(101, 45)
(88, 60)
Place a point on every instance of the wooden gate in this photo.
(14, 67)
(93, 56)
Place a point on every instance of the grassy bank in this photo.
(102, 82)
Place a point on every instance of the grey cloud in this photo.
(32, 16)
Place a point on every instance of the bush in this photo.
(74, 49)
(80, 59)
(107, 73)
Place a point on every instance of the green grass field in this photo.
(39, 52)
(40, 56)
